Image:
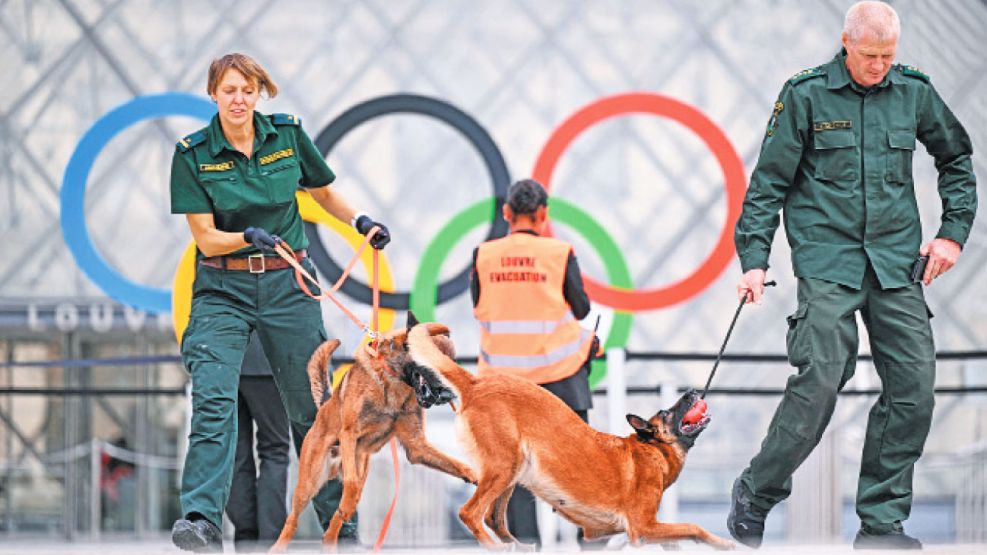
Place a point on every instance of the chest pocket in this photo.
(901, 146)
(281, 179)
(837, 157)
(224, 188)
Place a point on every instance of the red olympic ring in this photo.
(733, 172)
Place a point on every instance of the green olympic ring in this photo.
(423, 292)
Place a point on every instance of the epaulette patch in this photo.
(913, 71)
(286, 119)
(190, 141)
(806, 74)
(773, 122)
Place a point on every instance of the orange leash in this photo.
(394, 443)
(374, 332)
(301, 275)
(390, 511)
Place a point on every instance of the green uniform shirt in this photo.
(209, 176)
(838, 158)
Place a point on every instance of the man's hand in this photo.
(260, 238)
(594, 349)
(751, 286)
(943, 254)
(364, 224)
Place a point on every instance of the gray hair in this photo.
(871, 19)
(525, 196)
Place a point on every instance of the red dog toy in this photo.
(696, 413)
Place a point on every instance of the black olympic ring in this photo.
(426, 106)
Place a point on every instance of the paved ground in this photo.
(151, 547)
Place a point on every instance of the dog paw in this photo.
(725, 545)
(470, 478)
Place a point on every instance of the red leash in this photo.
(373, 332)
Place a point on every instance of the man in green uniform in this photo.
(837, 159)
(235, 180)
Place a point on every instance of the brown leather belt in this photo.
(255, 263)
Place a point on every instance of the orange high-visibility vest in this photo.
(526, 326)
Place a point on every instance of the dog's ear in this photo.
(437, 329)
(643, 428)
(412, 321)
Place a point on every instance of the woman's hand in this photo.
(333, 203)
(260, 238)
(364, 224)
(211, 241)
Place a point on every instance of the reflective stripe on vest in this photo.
(526, 326)
(536, 361)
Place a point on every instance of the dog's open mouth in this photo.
(693, 428)
(427, 393)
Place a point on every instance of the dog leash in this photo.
(394, 501)
(727, 338)
(286, 252)
(372, 331)
(698, 409)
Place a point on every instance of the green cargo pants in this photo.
(226, 306)
(822, 343)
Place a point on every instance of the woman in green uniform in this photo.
(235, 181)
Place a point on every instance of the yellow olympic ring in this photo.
(181, 295)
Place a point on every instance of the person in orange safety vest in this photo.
(527, 297)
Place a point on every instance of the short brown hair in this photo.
(246, 66)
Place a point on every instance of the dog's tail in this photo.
(318, 371)
(426, 354)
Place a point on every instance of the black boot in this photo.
(196, 533)
(746, 521)
(895, 538)
(349, 540)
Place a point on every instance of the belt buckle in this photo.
(252, 267)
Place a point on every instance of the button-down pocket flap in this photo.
(902, 139)
(798, 315)
(835, 138)
(278, 166)
(216, 177)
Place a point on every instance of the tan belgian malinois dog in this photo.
(373, 403)
(519, 433)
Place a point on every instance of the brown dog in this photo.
(519, 433)
(372, 404)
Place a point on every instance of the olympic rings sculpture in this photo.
(427, 291)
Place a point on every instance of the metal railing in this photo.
(429, 501)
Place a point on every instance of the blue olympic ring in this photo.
(73, 193)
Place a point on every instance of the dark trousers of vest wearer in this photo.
(822, 344)
(522, 513)
(258, 504)
(226, 305)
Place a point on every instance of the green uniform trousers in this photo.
(226, 306)
(822, 344)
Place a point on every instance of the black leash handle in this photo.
(727, 338)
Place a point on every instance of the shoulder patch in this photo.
(188, 142)
(913, 71)
(806, 74)
(286, 119)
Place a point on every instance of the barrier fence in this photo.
(427, 514)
